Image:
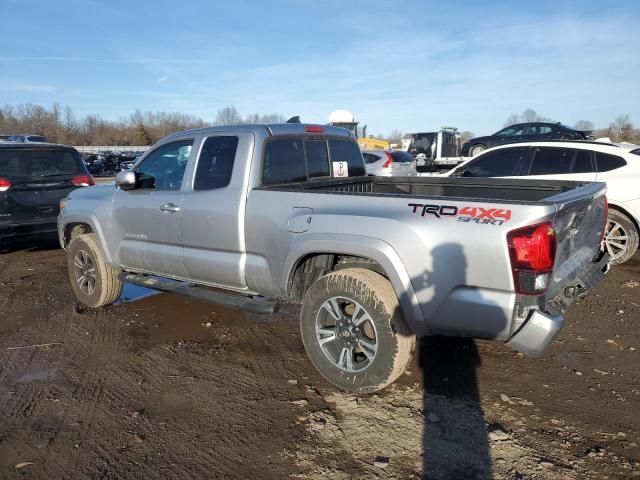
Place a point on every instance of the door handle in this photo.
(170, 207)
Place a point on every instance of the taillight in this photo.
(83, 181)
(606, 218)
(533, 253)
(389, 160)
(314, 129)
(4, 184)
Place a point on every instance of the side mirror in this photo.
(126, 180)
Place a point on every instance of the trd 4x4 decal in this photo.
(491, 216)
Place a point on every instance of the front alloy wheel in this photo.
(84, 272)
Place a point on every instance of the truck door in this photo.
(147, 218)
(212, 219)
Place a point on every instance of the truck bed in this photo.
(511, 190)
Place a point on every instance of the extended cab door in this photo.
(213, 211)
(147, 218)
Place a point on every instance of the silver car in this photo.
(389, 163)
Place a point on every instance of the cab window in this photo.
(215, 163)
(163, 168)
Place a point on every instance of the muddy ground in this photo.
(165, 387)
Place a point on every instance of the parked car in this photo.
(580, 161)
(524, 132)
(33, 180)
(389, 163)
(286, 212)
(27, 138)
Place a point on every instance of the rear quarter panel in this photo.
(457, 268)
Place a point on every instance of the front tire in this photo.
(353, 331)
(94, 282)
(621, 237)
(477, 149)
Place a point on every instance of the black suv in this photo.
(33, 180)
(524, 132)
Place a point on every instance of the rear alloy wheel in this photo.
(620, 237)
(476, 149)
(353, 331)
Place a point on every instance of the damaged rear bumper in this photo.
(540, 328)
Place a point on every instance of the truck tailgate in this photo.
(579, 225)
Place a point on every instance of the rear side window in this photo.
(502, 163)
(608, 162)
(33, 164)
(636, 151)
(402, 157)
(284, 162)
(583, 163)
(370, 158)
(216, 163)
(549, 161)
(349, 152)
(317, 158)
(294, 159)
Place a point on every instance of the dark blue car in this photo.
(33, 179)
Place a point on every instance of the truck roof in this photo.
(272, 129)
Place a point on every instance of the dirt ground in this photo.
(166, 387)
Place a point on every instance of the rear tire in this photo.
(94, 282)
(621, 237)
(353, 331)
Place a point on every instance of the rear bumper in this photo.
(9, 231)
(540, 328)
(537, 333)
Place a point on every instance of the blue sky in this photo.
(407, 65)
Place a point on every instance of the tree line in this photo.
(59, 124)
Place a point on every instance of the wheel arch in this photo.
(311, 258)
(613, 205)
(82, 222)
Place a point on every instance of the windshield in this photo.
(422, 143)
(34, 164)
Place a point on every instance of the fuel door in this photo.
(300, 219)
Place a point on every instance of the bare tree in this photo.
(395, 136)
(529, 115)
(228, 116)
(622, 129)
(512, 119)
(585, 125)
(466, 136)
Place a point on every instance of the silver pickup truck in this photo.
(254, 215)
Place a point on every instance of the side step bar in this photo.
(252, 304)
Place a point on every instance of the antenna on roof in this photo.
(295, 119)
